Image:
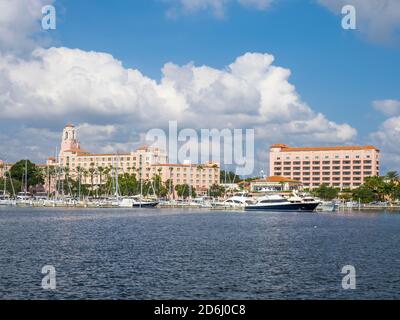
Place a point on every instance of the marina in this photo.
(197, 254)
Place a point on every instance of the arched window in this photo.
(66, 135)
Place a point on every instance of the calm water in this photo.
(175, 254)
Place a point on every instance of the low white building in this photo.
(275, 184)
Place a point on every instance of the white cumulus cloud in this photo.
(388, 107)
(20, 23)
(111, 102)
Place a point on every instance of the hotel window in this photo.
(346, 173)
(326, 173)
(367, 173)
(286, 173)
(316, 173)
(367, 167)
(347, 157)
(367, 161)
(336, 179)
(346, 179)
(336, 184)
(326, 157)
(287, 163)
(297, 163)
(326, 162)
(296, 173)
(316, 162)
(346, 162)
(357, 173)
(346, 168)
(278, 158)
(316, 168)
(296, 168)
(356, 161)
(306, 173)
(277, 163)
(306, 162)
(336, 173)
(336, 157)
(277, 168)
(306, 179)
(306, 168)
(325, 178)
(357, 157)
(336, 168)
(336, 162)
(326, 168)
(357, 178)
(287, 168)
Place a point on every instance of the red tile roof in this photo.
(286, 148)
(277, 179)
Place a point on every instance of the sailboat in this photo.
(24, 197)
(131, 202)
(5, 199)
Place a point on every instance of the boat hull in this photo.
(145, 205)
(308, 207)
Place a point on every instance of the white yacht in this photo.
(135, 202)
(5, 200)
(238, 200)
(279, 203)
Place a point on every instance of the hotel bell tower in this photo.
(69, 139)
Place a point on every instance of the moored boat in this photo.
(279, 203)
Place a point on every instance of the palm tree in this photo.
(92, 172)
(392, 176)
(85, 174)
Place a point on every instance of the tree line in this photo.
(128, 183)
(383, 188)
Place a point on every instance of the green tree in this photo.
(34, 176)
(216, 191)
(378, 186)
(392, 176)
(229, 177)
(364, 194)
(326, 193)
(183, 191)
(11, 186)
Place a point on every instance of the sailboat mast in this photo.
(116, 178)
(26, 177)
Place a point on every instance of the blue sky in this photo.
(325, 86)
(338, 72)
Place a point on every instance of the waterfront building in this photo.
(275, 184)
(4, 167)
(145, 163)
(341, 167)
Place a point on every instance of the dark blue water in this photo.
(175, 254)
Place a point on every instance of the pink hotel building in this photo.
(341, 167)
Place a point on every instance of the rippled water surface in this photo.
(178, 254)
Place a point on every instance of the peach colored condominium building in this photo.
(145, 162)
(341, 167)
